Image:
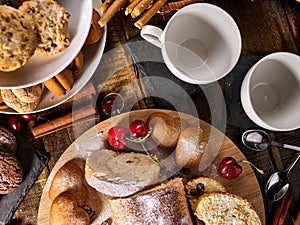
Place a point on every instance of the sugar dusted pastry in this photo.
(165, 204)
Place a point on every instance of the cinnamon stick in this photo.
(278, 211)
(297, 221)
(86, 119)
(285, 210)
(88, 89)
(282, 210)
(65, 120)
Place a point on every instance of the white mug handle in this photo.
(152, 34)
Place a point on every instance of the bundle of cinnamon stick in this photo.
(144, 10)
(86, 112)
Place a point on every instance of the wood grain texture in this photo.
(245, 185)
(263, 25)
(266, 26)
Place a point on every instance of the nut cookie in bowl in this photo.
(22, 100)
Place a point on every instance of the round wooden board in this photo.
(246, 185)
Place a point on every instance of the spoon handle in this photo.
(293, 164)
(292, 147)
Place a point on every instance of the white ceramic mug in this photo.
(270, 92)
(200, 44)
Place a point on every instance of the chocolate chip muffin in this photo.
(8, 141)
(11, 172)
(17, 39)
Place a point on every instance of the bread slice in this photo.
(197, 187)
(120, 174)
(219, 208)
(165, 204)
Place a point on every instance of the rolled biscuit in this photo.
(65, 78)
(55, 87)
(61, 83)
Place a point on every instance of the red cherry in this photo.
(107, 106)
(116, 137)
(229, 168)
(28, 117)
(138, 129)
(15, 123)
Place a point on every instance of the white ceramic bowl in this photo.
(40, 68)
(270, 92)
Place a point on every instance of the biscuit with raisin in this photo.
(50, 21)
(17, 39)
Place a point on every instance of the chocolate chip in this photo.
(194, 192)
(186, 171)
(200, 187)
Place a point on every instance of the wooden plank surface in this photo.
(266, 26)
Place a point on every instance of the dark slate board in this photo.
(33, 162)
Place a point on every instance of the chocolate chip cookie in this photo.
(8, 141)
(11, 172)
(51, 23)
(17, 39)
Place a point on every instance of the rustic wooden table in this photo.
(265, 26)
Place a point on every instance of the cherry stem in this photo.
(141, 141)
(250, 163)
(148, 153)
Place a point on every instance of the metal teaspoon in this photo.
(278, 185)
(259, 140)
